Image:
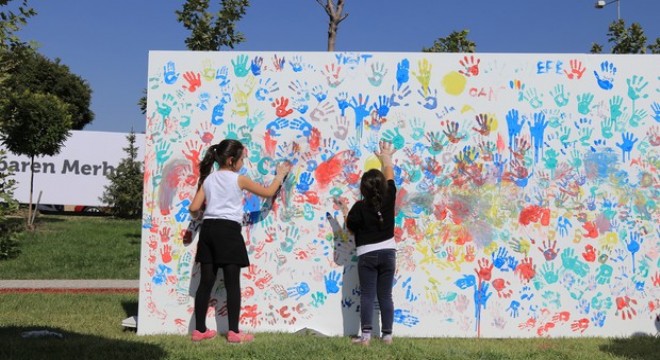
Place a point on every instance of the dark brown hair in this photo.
(221, 154)
(374, 189)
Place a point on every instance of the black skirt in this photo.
(221, 243)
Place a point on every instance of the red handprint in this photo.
(280, 107)
(589, 253)
(580, 325)
(500, 285)
(485, 269)
(469, 253)
(562, 316)
(165, 234)
(577, 70)
(624, 306)
(166, 253)
(194, 81)
(526, 269)
(470, 65)
(592, 229)
(544, 328)
(656, 279)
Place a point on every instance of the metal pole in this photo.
(618, 10)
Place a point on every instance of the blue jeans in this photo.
(376, 272)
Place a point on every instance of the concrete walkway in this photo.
(86, 286)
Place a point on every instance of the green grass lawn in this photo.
(91, 327)
(69, 247)
(77, 247)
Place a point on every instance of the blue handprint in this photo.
(305, 181)
(467, 281)
(183, 214)
(402, 72)
(298, 291)
(514, 124)
(656, 111)
(404, 317)
(255, 66)
(296, 64)
(626, 146)
(302, 125)
(222, 75)
(277, 124)
(537, 131)
(342, 102)
(562, 225)
(382, 107)
(169, 73)
(606, 78)
(332, 282)
(500, 259)
(633, 245)
(514, 309)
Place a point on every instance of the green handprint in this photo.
(395, 138)
(637, 116)
(635, 86)
(561, 98)
(417, 126)
(378, 72)
(606, 128)
(585, 135)
(414, 173)
(615, 107)
(231, 133)
(564, 134)
(584, 102)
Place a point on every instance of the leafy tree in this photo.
(12, 20)
(39, 74)
(124, 194)
(209, 32)
(454, 43)
(336, 15)
(36, 124)
(655, 47)
(631, 40)
(212, 31)
(8, 228)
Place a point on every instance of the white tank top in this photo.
(224, 198)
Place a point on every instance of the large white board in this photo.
(527, 203)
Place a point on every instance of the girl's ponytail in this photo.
(206, 165)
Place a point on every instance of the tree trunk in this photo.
(332, 36)
(335, 15)
(29, 219)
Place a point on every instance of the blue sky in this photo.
(107, 42)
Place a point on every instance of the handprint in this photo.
(605, 78)
(470, 66)
(626, 146)
(169, 73)
(280, 106)
(378, 72)
(560, 97)
(240, 64)
(635, 86)
(577, 70)
(584, 102)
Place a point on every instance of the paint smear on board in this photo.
(454, 83)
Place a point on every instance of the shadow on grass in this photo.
(130, 307)
(636, 347)
(71, 346)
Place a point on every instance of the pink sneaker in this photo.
(239, 337)
(199, 336)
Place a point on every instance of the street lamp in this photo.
(602, 3)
